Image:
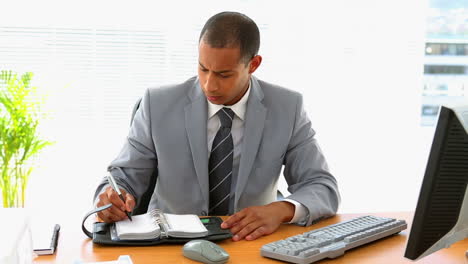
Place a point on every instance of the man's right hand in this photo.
(117, 211)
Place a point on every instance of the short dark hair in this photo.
(232, 29)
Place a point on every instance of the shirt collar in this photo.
(238, 108)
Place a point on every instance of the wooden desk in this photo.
(74, 245)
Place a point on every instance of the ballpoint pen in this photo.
(116, 188)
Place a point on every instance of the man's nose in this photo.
(210, 83)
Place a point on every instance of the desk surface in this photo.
(74, 245)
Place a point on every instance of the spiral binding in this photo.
(160, 219)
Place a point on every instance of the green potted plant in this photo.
(19, 136)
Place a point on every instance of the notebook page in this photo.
(188, 225)
(142, 227)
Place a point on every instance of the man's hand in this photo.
(117, 211)
(254, 222)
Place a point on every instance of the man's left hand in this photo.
(254, 222)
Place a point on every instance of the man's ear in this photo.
(255, 63)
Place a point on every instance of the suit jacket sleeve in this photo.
(306, 171)
(135, 164)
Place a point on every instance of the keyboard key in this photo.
(310, 252)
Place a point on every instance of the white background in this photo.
(359, 65)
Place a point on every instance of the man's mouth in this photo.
(213, 98)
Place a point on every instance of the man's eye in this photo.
(225, 76)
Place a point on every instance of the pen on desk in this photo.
(116, 188)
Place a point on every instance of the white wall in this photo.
(359, 67)
(358, 64)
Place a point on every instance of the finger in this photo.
(101, 202)
(129, 202)
(107, 216)
(246, 230)
(113, 213)
(103, 217)
(103, 198)
(114, 198)
(248, 218)
(259, 232)
(116, 213)
(233, 219)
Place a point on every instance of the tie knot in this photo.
(225, 116)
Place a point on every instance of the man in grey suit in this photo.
(217, 142)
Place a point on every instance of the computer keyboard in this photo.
(332, 241)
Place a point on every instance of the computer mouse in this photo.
(205, 251)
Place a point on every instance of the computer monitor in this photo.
(441, 216)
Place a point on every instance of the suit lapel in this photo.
(254, 122)
(195, 124)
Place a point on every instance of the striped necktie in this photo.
(220, 165)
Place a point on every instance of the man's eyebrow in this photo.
(223, 71)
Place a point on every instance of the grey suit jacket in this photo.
(168, 134)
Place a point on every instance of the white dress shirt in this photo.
(237, 131)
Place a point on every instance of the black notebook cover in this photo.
(102, 233)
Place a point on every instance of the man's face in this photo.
(223, 77)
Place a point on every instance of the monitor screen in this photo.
(441, 215)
